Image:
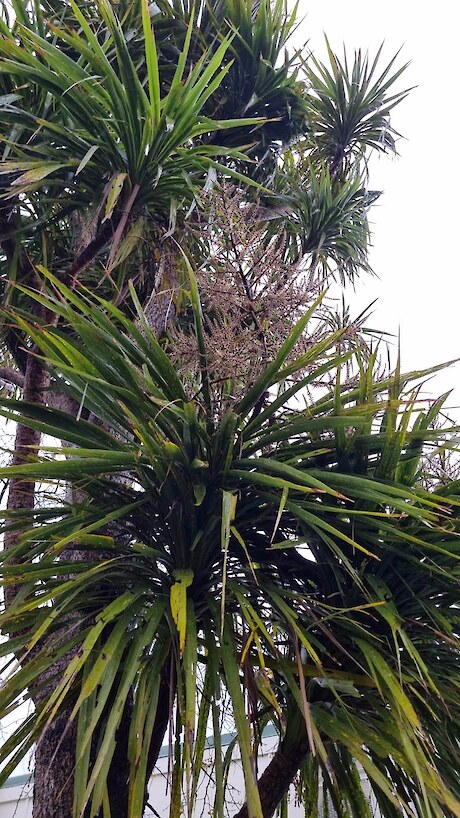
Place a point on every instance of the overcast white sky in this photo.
(416, 222)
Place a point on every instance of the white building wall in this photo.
(16, 798)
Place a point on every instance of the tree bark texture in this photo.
(276, 779)
(21, 494)
(53, 774)
(11, 376)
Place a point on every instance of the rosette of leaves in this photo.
(285, 555)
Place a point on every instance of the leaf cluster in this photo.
(288, 552)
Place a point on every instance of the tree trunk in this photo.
(21, 494)
(53, 774)
(54, 765)
(55, 757)
(276, 779)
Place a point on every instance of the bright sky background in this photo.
(416, 222)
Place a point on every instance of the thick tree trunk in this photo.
(55, 756)
(55, 764)
(55, 751)
(276, 779)
(21, 494)
(53, 774)
(53, 778)
(53, 792)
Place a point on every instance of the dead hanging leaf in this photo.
(178, 599)
(229, 501)
(113, 193)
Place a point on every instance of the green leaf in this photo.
(242, 726)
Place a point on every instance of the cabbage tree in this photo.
(117, 123)
(285, 555)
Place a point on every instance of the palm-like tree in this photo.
(114, 127)
(286, 555)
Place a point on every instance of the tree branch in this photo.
(14, 344)
(84, 259)
(276, 779)
(11, 376)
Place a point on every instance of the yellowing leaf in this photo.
(178, 598)
(282, 504)
(113, 194)
(229, 501)
(37, 173)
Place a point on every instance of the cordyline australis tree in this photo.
(286, 556)
(213, 536)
